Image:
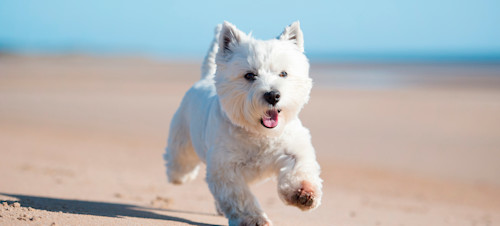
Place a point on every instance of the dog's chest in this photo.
(259, 156)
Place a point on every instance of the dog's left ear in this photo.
(293, 33)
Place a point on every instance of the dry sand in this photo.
(82, 139)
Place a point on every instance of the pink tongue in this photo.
(271, 119)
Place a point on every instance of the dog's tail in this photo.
(209, 66)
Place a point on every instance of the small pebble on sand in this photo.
(118, 195)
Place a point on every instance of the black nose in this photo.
(272, 97)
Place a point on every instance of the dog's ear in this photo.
(293, 33)
(229, 37)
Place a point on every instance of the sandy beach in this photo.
(82, 138)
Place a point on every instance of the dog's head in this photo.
(262, 85)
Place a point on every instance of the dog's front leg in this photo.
(233, 195)
(299, 183)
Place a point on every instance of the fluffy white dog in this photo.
(241, 120)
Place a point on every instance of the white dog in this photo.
(241, 120)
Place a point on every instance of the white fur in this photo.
(218, 123)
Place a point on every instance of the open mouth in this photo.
(270, 119)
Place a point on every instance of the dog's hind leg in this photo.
(182, 161)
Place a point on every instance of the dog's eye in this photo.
(250, 76)
(283, 74)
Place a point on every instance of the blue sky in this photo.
(333, 29)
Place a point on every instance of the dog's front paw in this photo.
(305, 197)
(253, 221)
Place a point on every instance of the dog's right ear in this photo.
(229, 37)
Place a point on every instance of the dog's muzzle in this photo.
(270, 120)
(272, 97)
